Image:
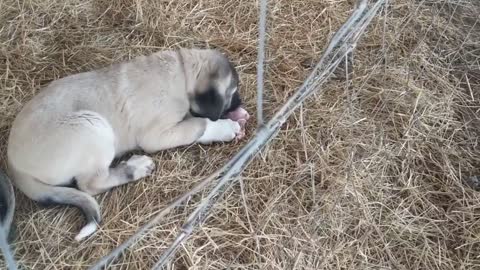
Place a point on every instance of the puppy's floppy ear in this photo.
(210, 103)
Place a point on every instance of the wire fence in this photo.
(341, 46)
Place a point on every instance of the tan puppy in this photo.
(72, 130)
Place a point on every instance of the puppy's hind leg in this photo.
(80, 146)
(105, 178)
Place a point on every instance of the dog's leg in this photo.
(104, 179)
(79, 145)
(191, 130)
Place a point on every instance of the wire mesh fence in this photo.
(370, 174)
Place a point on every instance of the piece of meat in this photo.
(241, 116)
(239, 113)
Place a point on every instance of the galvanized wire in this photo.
(260, 60)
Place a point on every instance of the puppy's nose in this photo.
(213, 117)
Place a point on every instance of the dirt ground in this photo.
(369, 175)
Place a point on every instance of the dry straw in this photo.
(367, 176)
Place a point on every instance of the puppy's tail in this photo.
(48, 195)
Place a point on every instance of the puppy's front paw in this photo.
(222, 130)
(138, 167)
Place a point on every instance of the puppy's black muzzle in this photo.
(235, 103)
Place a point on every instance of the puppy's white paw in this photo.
(138, 167)
(222, 130)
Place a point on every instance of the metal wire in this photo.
(260, 60)
(7, 193)
(7, 252)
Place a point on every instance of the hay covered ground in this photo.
(367, 176)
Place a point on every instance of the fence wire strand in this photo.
(260, 61)
(6, 220)
(7, 252)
